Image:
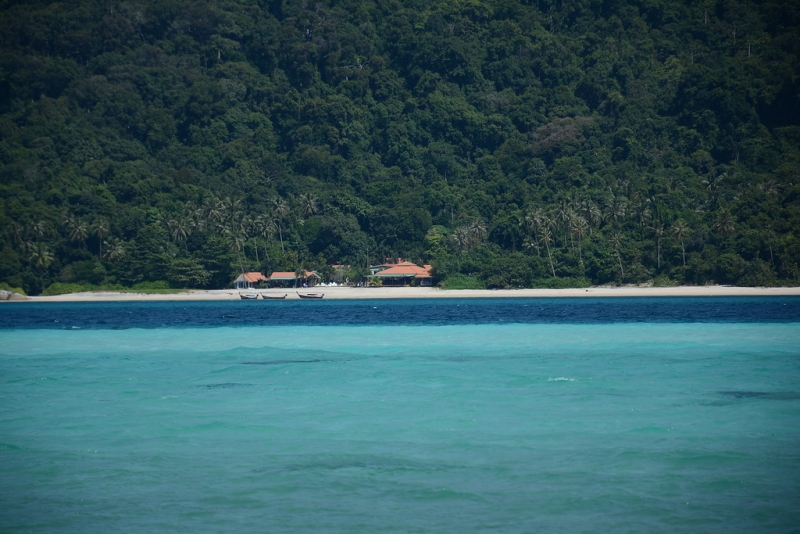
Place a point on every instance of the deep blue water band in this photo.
(455, 311)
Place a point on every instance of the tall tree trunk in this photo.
(553, 269)
(241, 266)
(658, 254)
(683, 251)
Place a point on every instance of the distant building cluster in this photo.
(402, 273)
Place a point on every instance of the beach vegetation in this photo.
(461, 281)
(663, 281)
(64, 288)
(5, 287)
(506, 143)
(146, 287)
(567, 282)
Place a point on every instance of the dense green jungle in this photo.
(508, 143)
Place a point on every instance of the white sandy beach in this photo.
(428, 292)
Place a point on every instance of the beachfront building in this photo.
(290, 279)
(249, 280)
(403, 274)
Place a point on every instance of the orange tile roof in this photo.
(406, 268)
(289, 275)
(252, 277)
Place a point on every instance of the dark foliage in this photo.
(508, 143)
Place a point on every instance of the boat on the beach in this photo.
(272, 297)
(248, 296)
(310, 295)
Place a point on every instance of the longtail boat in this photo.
(310, 295)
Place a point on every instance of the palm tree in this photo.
(657, 229)
(309, 204)
(579, 228)
(197, 219)
(644, 215)
(680, 231)
(266, 228)
(712, 184)
(615, 209)
(299, 274)
(534, 223)
(725, 223)
(563, 215)
(616, 241)
(212, 210)
(591, 213)
(101, 231)
(476, 231)
(37, 229)
(189, 209)
(280, 212)
(179, 230)
(460, 239)
(41, 258)
(77, 230)
(231, 209)
(530, 243)
(641, 208)
(769, 187)
(248, 226)
(547, 238)
(236, 237)
(673, 183)
(770, 235)
(16, 234)
(115, 250)
(255, 226)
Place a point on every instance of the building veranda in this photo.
(290, 279)
(249, 280)
(403, 273)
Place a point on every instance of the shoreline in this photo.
(344, 293)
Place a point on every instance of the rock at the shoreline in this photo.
(8, 295)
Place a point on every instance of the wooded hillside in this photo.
(508, 143)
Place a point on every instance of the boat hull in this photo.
(311, 295)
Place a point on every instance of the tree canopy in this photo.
(509, 143)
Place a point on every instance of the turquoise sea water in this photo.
(462, 426)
